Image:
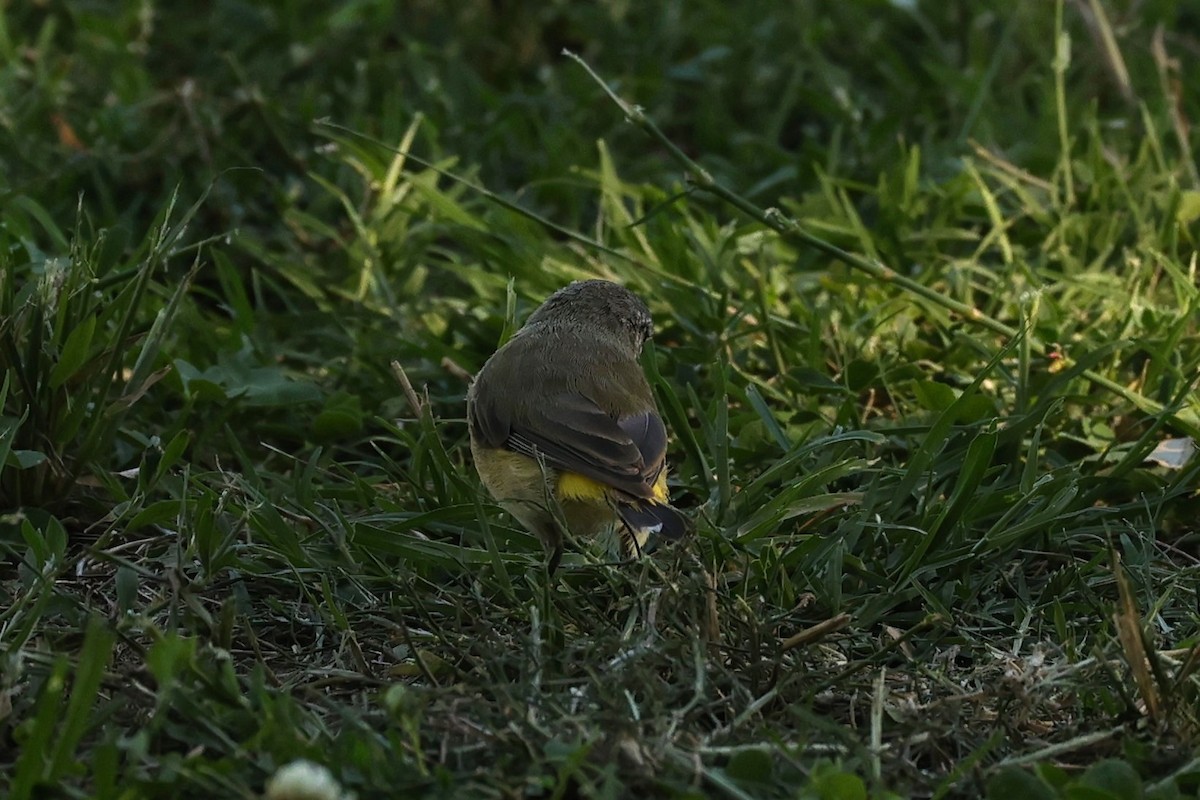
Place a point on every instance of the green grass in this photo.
(925, 283)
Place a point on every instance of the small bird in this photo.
(563, 425)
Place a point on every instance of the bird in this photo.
(563, 425)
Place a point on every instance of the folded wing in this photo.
(570, 432)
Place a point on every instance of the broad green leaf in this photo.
(1115, 777)
(75, 352)
(1017, 782)
(25, 459)
(750, 766)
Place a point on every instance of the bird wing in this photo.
(570, 432)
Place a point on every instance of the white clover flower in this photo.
(304, 780)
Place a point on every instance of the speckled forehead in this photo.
(589, 297)
(642, 319)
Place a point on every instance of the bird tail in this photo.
(646, 524)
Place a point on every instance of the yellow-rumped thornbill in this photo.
(564, 429)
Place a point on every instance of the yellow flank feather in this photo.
(660, 488)
(573, 486)
(527, 488)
